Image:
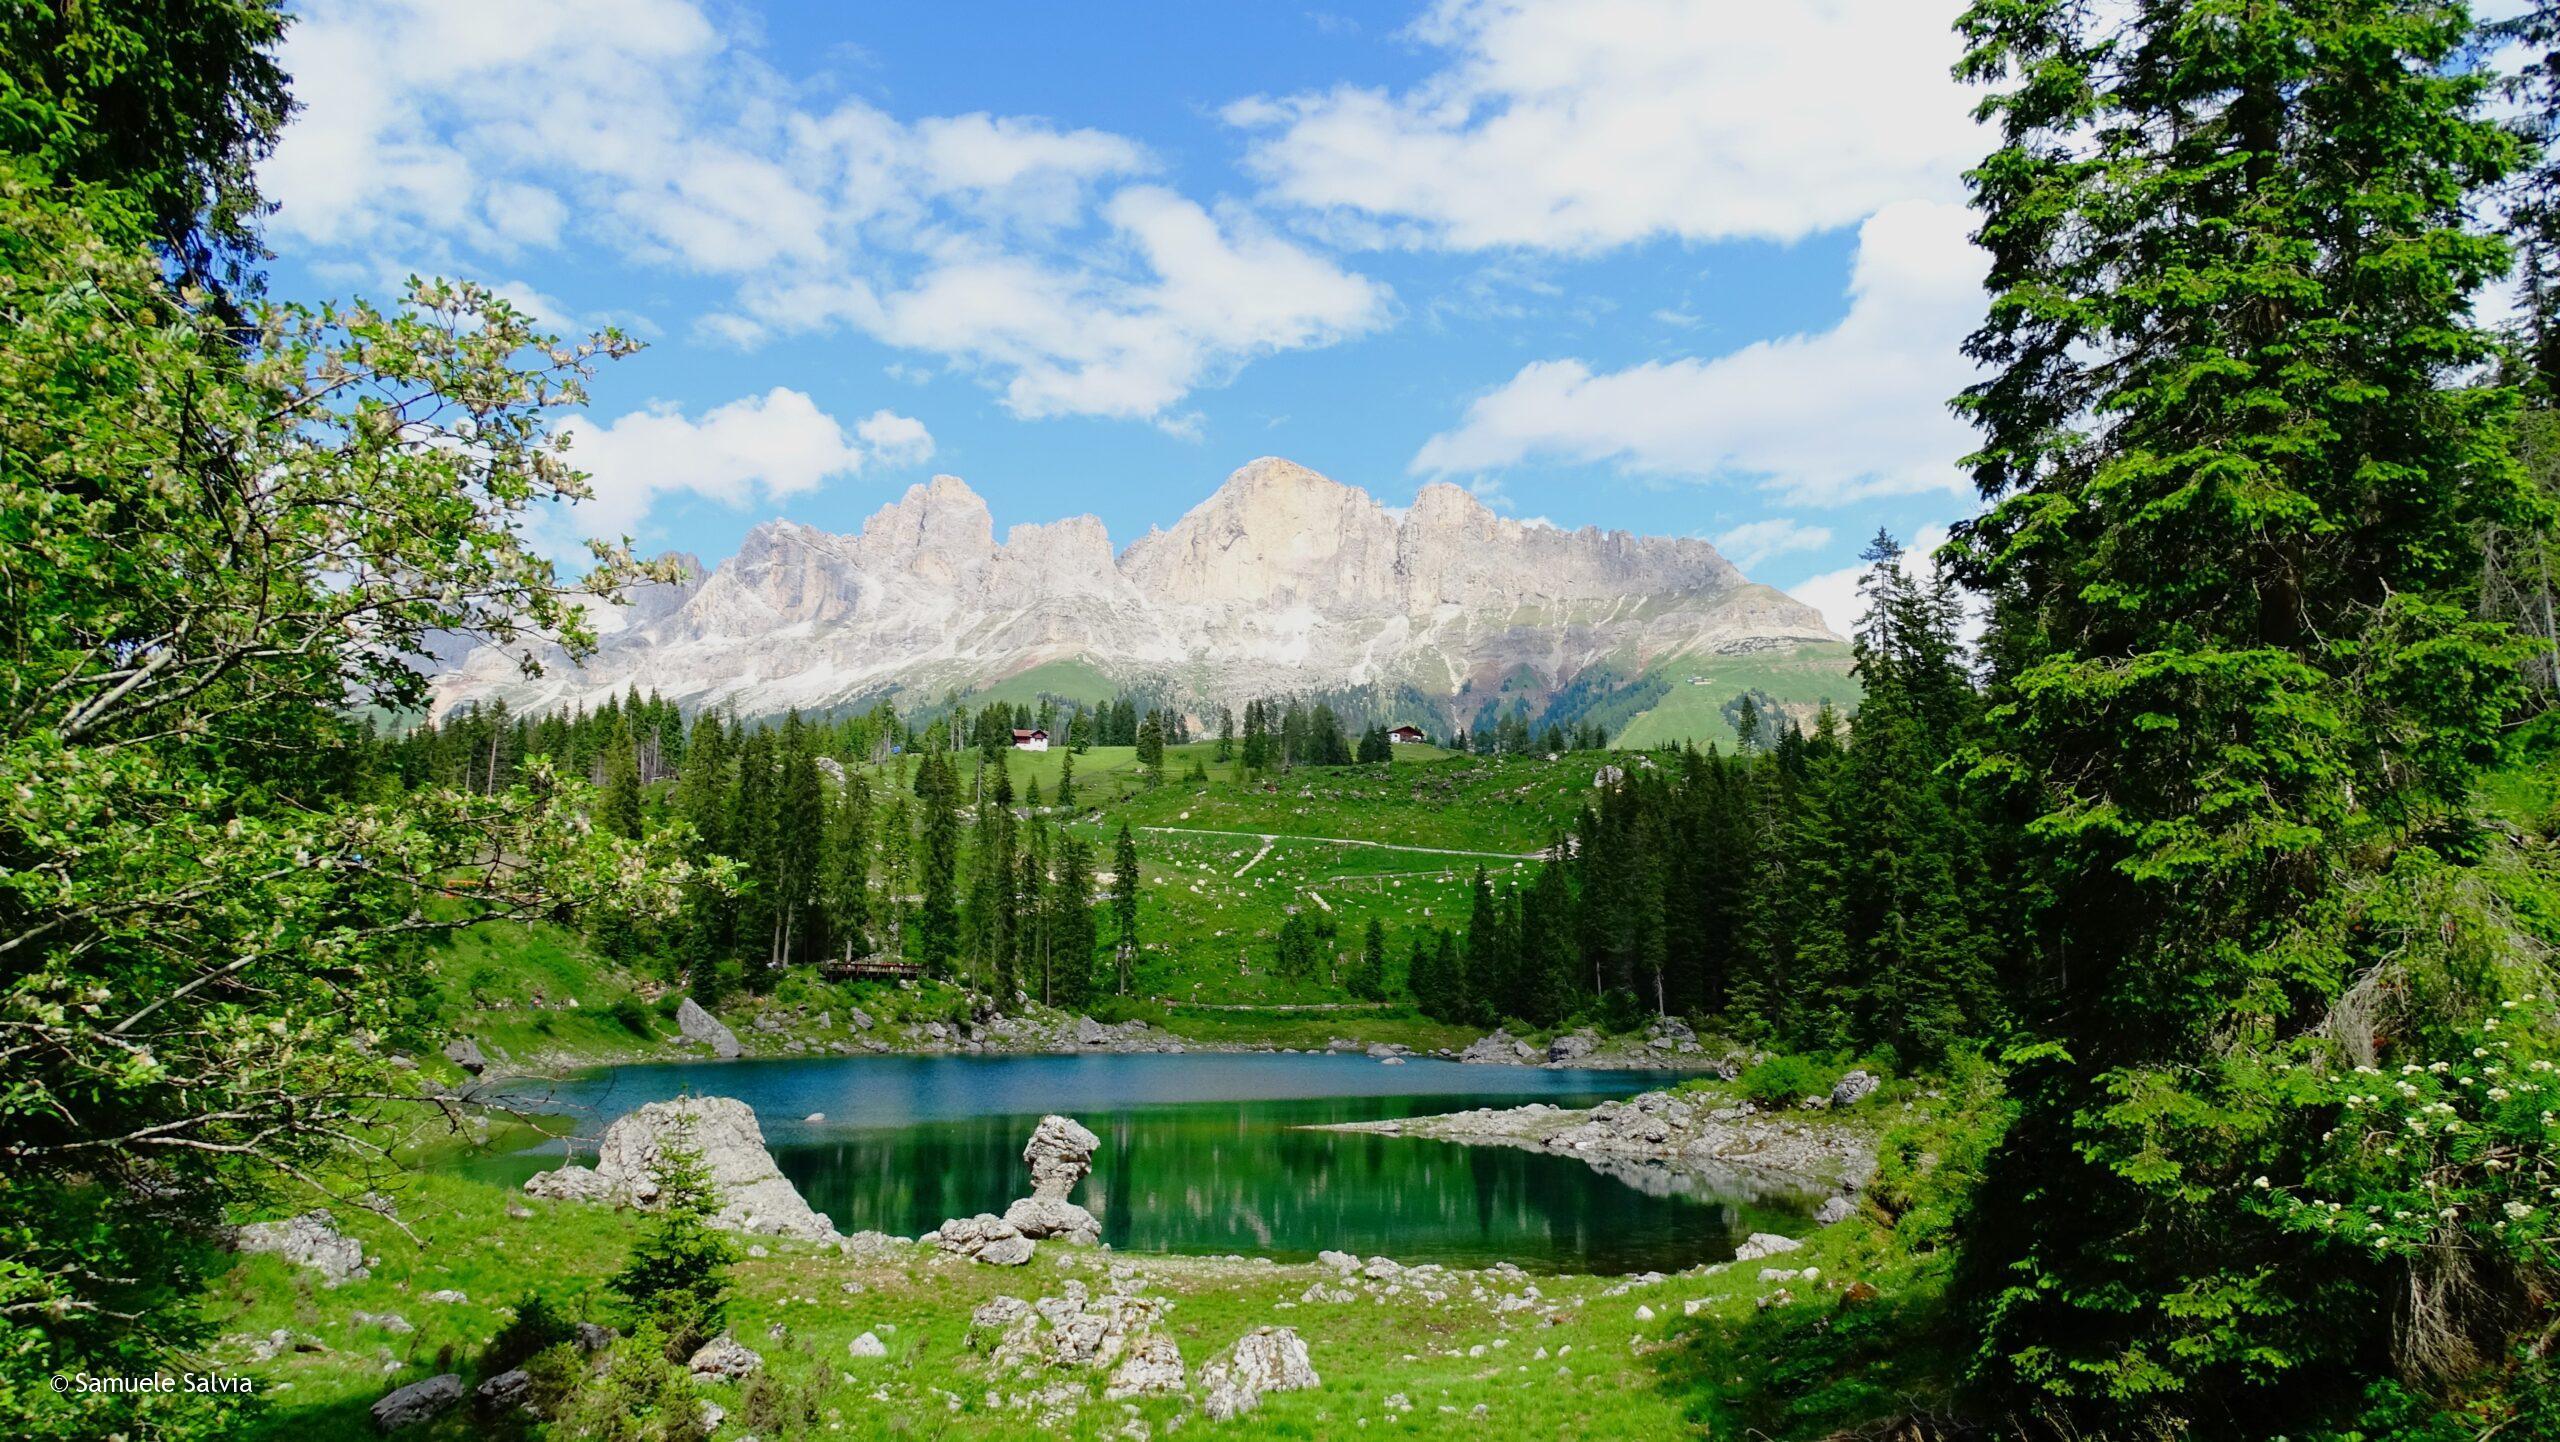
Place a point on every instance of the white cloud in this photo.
(1577, 125)
(753, 450)
(1035, 256)
(1753, 542)
(1855, 411)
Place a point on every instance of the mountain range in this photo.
(1282, 582)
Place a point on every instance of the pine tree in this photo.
(848, 899)
(938, 865)
(1067, 781)
(1368, 981)
(1124, 905)
(618, 811)
(2233, 666)
(677, 1275)
(1068, 981)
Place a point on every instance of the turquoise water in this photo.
(1201, 1153)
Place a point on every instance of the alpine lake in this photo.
(1202, 1153)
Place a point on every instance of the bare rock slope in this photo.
(1282, 580)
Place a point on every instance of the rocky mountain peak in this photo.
(1282, 580)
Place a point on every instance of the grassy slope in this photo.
(1806, 676)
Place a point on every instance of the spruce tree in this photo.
(619, 807)
(938, 865)
(1124, 905)
(2234, 670)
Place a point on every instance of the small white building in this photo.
(1406, 736)
(1034, 739)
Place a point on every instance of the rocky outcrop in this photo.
(1059, 1154)
(311, 1240)
(1664, 1134)
(1268, 1359)
(1854, 1088)
(1079, 1330)
(418, 1402)
(754, 1195)
(984, 1238)
(1498, 1048)
(463, 1052)
(1282, 580)
(701, 1027)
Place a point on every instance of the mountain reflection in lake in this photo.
(1203, 1153)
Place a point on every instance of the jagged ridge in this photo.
(1281, 581)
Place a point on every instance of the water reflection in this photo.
(1204, 1154)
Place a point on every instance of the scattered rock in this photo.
(446, 1298)
(503, 1393)
(391, 1322)
(1045, 1217)
(867, 1345)
(723, 1359)
(1854, 1088)
(985, 1238)
(463, 1052)
(1835, 1211)
(1152, 1367)
(418, 1402)
(1498, 1047)
(860, 1019)
(1269, 1359)
(594, 1337)
(311, 1240)
(570, 1184)
(1764, 1244)
(1571, 1047)
(697, 1025)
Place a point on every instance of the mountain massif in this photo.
(1281, 582)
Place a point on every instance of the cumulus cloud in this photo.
(1042, 258)
(751, 451)
(1577, 125)
(1855, 411)
(1753, 542)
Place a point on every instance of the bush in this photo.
(633, 1014)
(539, 1324)
(1782, 1081)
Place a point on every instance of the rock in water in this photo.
(723, 1359)
(1046, 1217)
(698, 1025)
(1269, 1359)
(1856, 1087)
(754, 1194)
(312, 1240)
(1059, 1154)
(418, 1402)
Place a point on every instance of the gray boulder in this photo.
(866, 1346)
(755, 1196)
(570, 1184)
(1049, 1217)
(1059, 1154)
(418, 1402)
(1854, 1088)
(1151, 1367)
(723, 1359)
(1835, 1211)
(697, 1025)
(311, 1240)
(1268, 1359)
(1090, 1032)
(1571, 1047)
(463, 1052)
(502, 1394)
(1764, 1244)
(1498, 1048)
(985, 1238)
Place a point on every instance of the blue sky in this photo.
(1688, 267)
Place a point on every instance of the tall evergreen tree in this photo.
(1124, 905)
(938, 865)
(2234, 669)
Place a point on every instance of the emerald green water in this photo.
(1205, 1153)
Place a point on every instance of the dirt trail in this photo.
(1267, 841)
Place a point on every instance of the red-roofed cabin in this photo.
(1031, 740)
(1406, 736)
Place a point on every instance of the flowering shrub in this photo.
(2442, 1160)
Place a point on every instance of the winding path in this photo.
(1268, 839)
